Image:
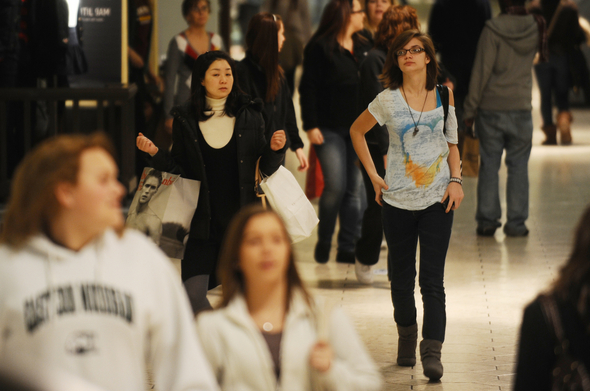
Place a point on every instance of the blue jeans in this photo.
(342, 189)
(432, 226)
(512, 131)
(553, 78)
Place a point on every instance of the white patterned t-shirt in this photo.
(417, 170)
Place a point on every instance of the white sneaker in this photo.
(363, 273)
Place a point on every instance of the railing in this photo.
(111, 107)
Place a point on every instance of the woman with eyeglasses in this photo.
(269, 333)
(183, 51)
(329, 104)
(262, 77)
(421, 189)
(396, 19)
(218, 137)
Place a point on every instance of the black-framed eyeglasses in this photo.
(357, 12)
(403, 52)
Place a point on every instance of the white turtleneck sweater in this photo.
(218, 129)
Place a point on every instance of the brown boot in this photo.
(550, 134)
(406, 345)
(430, 354)
(564, 120)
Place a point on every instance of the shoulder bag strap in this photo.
(443, 92)
(552, 316)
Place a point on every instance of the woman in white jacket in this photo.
(269, 333)
(78, 293)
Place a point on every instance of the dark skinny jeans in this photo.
(403, 228)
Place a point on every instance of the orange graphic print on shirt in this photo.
(422, 176)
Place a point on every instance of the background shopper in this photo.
(297, 24)
(182, 54)
(262, 77)
(554, 77)
(329, 104)
(499, 99)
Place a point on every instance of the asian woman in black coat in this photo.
(218, 136)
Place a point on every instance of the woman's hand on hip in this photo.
(321, 356)
(146, 145)
(315, 136)
(303, 162)
(455, 195)
(278, 140)
(379, 184)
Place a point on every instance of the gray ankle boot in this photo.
(430, 354)
(406, 345)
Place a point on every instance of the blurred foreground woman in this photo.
(80, 294)
(569, 301)
(269, 333)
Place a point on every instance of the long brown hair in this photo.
(396, 19)
(33, 203)
(232, 279)
(392, 76)
(334, 21)
(262, 41)
(573, 283)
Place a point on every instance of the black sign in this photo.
(101, 36)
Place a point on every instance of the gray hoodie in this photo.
(502, 73)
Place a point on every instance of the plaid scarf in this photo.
(515, 10)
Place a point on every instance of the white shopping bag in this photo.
(163, 208)
(288, 199)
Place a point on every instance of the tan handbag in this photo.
(470, 155)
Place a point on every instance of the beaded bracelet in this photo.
(458, 180)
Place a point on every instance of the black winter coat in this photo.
(329, 86)
(186, 158)
(278, 114)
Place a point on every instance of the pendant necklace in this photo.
(267, 326)
(411, 115)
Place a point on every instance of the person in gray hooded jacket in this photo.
(499, 101)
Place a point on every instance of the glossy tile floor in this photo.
(488, 279)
